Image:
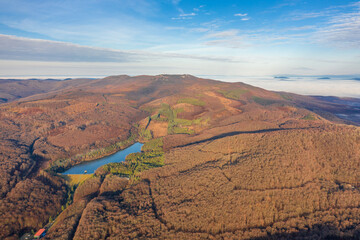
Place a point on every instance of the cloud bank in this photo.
(18, 48)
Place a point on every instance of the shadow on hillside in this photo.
(318, 231)
(230, 134)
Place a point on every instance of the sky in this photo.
(244, 38)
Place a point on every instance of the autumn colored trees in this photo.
(292, 184)
(229, 161)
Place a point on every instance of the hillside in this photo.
(14, 89)
(237, 161)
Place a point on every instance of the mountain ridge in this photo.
(317, 103)
(221, 144)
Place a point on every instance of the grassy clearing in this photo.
(152, 156)
(233, 94)
(183, 122)
(286, 96)
(144, 134)
(192, 101)
(76, 179)
(153, 145)
(309, 117)
(181, 130)
(175, 125)
(264, 101)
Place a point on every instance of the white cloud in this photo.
(111, 23)
(240, 14)
(176, 2)
(307, 27)
(243, 16)
(199, 30)
(229, 43)
(342, 30)
(287, 3)
(229, 39)
(175, 28)
(196, 30)
(184, 16)
(309, 86)
(338, 26)
(18, 48)
(197, 9)
(187, 14)
(297, 16)
(223, 34)
(181, 18)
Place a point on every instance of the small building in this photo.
(41, 233)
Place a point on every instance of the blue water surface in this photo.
(91, 166)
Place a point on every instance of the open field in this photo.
(76, 179)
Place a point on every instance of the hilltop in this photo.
(237, 161)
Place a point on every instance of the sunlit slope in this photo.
(230, 140)
(291, 183)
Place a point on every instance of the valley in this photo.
(219, 161)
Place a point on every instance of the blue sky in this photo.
(222, 38)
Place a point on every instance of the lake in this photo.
(91, 166)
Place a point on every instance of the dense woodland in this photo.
(208, 191)
(220, 161)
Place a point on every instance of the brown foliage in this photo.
(88, 188)
(113, 184)
(294, 183)
(29, 204)
(261, 165)
(66, 224)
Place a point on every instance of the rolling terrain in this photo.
(220, 161)
(13, 89)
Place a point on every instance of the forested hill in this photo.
(220, 161)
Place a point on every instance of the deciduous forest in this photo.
(219, 161)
